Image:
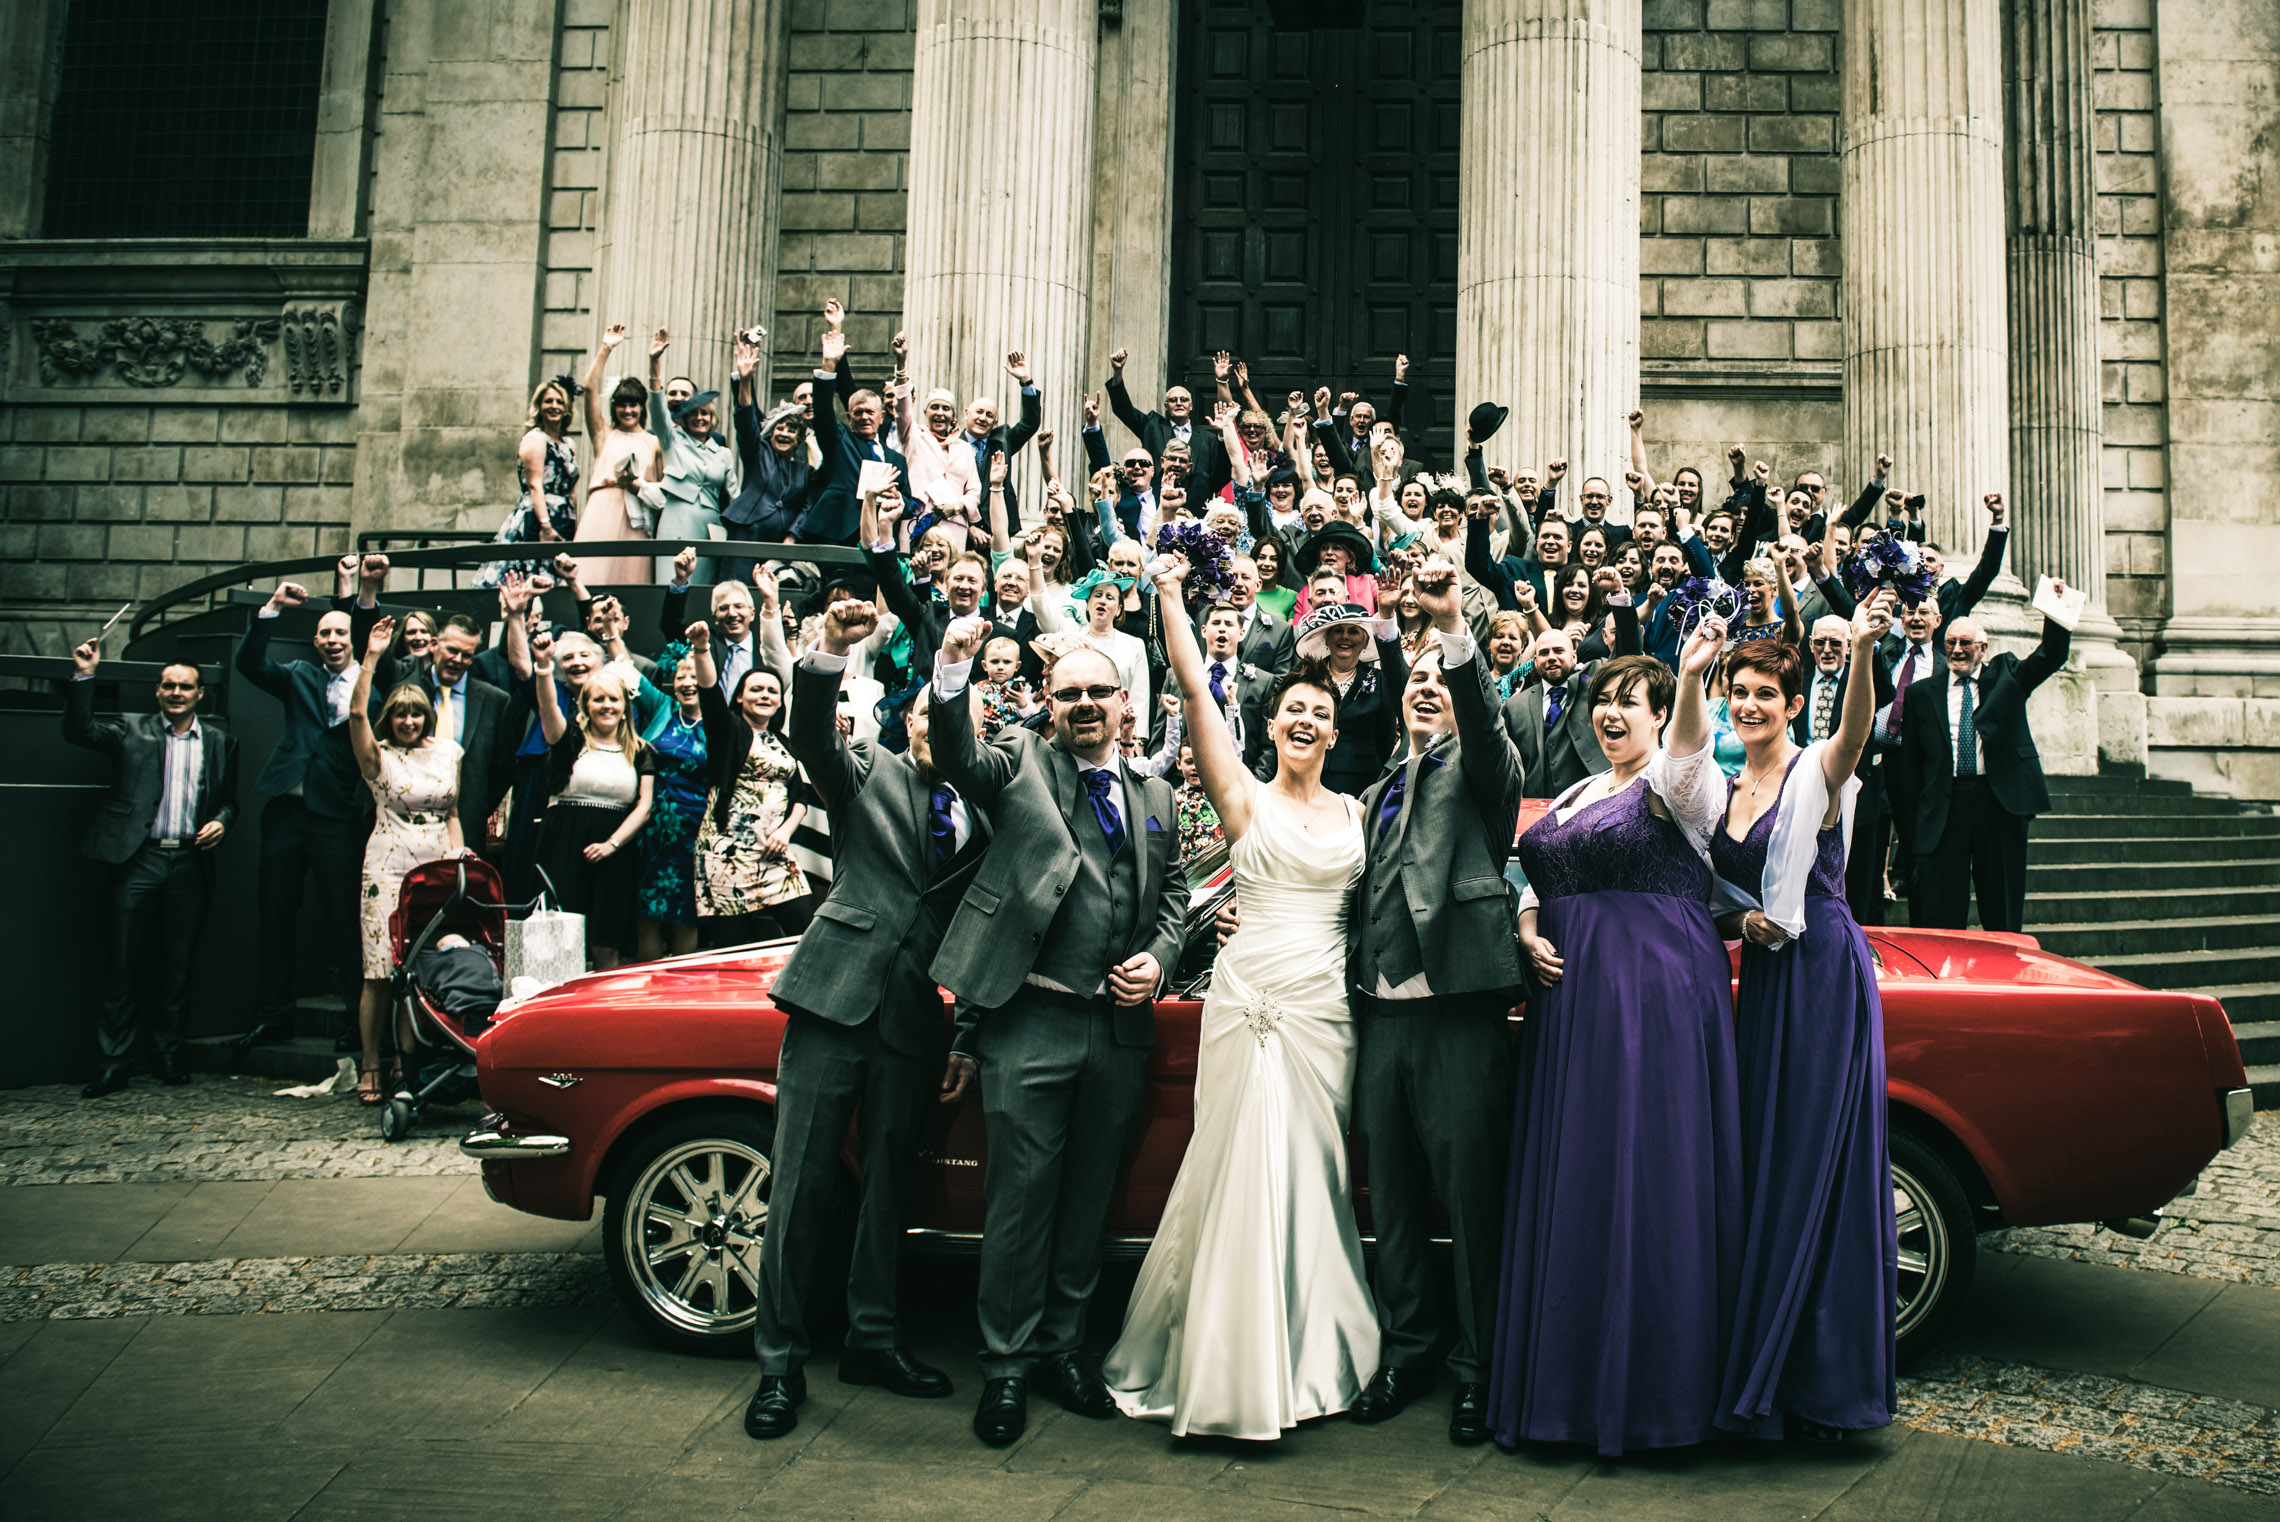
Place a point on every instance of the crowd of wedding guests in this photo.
(1238, 600)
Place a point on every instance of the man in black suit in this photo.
(173, 797)
(1156, 430)
(1968, 779)
(1435, 968)
(1549, 722)
(1268, 642)
(1072, 922)
(319, 811)
(1239, 689)
(985, 435)
(863, 1038)
(831, 517)
(1830, 645)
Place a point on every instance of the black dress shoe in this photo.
(109, 1081)
(1468, 1414)
(775, 1408)
(1388, 1391)
(1003, 1415)
(1077, 1385)
(893, 1370)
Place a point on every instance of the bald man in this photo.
(1968, 778)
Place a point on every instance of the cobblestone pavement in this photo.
(239, 1286)
(2121, 1420)
(221, 1127)
(2229, 1229)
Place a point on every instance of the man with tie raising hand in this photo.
(1058, 953)
(1830, 645)
(863, 1037)
(1549, 722)
(1969, 778)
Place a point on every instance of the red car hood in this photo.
(1979, 956)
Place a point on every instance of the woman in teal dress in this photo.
(666, 900)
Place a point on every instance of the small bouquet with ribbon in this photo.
(1210, 575)
(1889, 560)
(1700, 597)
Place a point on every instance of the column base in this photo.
(2214, 717)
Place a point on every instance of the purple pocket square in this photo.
(1155, 826)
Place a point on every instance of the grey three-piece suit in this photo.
(1063, 1070)
(865, 1026)
(1433, 1084)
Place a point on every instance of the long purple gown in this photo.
(1622, 1234)
(1813, 1332)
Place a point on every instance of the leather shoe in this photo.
(266, 1033)
(1076, 1386)
(1389, 1390)
(109, 1081)
(775, 1405)
(892, 1370)
(1468, 1414)
(174, 1072)
(1003, 1415)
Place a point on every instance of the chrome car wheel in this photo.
(1939, 1242)
(684, 1231)
(1924, 1251)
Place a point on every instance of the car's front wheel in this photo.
(683, 1228)
(1939, 1243)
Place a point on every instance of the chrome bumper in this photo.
(2240, 1109)
(491, 1142)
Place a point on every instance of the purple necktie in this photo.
(1101, 784)
(1390, 809)
(1218, 683)
(939, 823)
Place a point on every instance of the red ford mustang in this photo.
(2025, 1090)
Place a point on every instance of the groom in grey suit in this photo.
(1435, 968)
(1075, 915)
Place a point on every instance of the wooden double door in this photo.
(1315, 201)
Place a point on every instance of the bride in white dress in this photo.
(1251, 1314)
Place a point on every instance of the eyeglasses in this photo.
(1833, 644)
(1137, 464)
(1099, 692)
(1964, 644)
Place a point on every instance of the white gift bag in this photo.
(547, 947)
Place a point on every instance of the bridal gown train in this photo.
(1251, 1314)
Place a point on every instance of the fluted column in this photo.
(1548, 226)
(999, 253)
(1924, 299)
(2057, 418)
(688, 230)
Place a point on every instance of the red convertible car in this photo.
(2025, 1090)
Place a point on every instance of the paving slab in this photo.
(2076, 1315)
(231, 1482)
(818, 1490)
(47, 1374)
(194, 1230)
(438, 1374)
(1748, 1481)
(1936, 1478)
(480, 1482)
(2232, 1348)
(468, 1220)
(86, 1223)
(617, 1387)
(325, 1217)
(1388, 1468)
(1123, 1501)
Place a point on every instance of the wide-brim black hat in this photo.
(1338, 531)
(1485, 420)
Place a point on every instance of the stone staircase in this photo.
(2145, 879)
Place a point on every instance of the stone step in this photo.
(2149, 877)
(2048, 850)
(2259, 1042)
(2110, 904)
(2136, 937)
(2063, 802)
(2174, 826)
(2264, 1083)
(304, 1059)
(2248, 1003)
(2119, 782)
(2199, 972)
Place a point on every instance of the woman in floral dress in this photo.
(546, 464)
(748, 885)
(414, 777)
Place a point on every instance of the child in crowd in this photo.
(1005, 698)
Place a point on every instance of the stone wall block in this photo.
(115, 425)
(157, 464)
(47, 425)
(1749, 340)
(78, 464)
(184, 425)
(216, 465)
(178, 504)
(1755, 174)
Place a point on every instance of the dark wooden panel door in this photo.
(1315, 211)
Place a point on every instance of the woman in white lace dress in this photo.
(1251, 1314)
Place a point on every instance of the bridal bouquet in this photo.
(1889, 560)
(1700, 597)
(1210, 576)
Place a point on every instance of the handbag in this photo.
(546, 947)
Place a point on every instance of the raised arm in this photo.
(979, 772)
(552, 723)
(1230, 787)
(1864, 505)
(597, 405)
(1690, 711)
(1120, 400)
(1990, 558)
(993, 504)
(1491, 764)
(2047, 657)
(1637, 422)
(1869, 623)
(360, 737)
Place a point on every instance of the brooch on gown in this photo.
(1264, 1015)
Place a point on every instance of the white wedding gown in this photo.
(1251, 1314)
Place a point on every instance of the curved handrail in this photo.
(449, 556)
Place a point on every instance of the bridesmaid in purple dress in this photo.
(1813, 1337)
(1622, 1232)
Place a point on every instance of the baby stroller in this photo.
(448, 934)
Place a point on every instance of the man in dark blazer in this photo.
(173, 797)
(1958, 598)
(1268, 641)
(831, 514)
(1968, 778)
(1435, 968)
(1550, 723)
(1178, 420)
(319, 812)
(985, 435)
(1829, 644)
(1075, 917)
(863, 1040)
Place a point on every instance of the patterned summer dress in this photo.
(415, 794)
(733, 876)
(668, 891)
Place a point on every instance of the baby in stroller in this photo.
(450, 932)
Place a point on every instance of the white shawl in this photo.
(1796, 841)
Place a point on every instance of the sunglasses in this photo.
(1099, 692)
(1137, 464)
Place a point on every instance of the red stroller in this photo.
(448, 934)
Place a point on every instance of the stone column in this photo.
(1922, 247)
(2057, 416)
(688, 231)
(1548, 228)
(999, 252)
